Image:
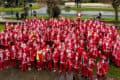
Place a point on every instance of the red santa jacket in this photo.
(62, 57)
(56, 56)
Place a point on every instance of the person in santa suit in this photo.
(45, 55)
(1, 60)
(115, 54)
(76, 63)
(100, 44)
(117, 58)
(105, 46)
(13, 52)
(76, 66)
(19, 56)
(50, 62)
(90, 66)
(102, 68)
(70, 58)
(26, 48)
(56, 56)
(39, 58)
(24, 62)
(105, 68)
(6, 42)
(48, 58)
(7, 58)
(83, 64)
(28, 61)
(79, 50)
(79, 14)
(32, 56)
(95, 36)
(7, 26)
(62, 61)
(99, 69)
(95, 52)
(82, 42)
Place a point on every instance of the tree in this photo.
(77, 2)
(53, 9)
(93, 1)
(116, 4)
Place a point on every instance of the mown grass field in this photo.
(114, 72)
(2, 9)
(92, 9)
(1, 27)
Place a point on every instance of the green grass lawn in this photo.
(119, 29)
(2, 9)
(1, 27)
(91, 9)
(114, 72)
(107, 19)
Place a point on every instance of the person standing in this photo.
(102, 68)
(39, 58)
(62, 61)
(24, 62)
(90, 66)
(55, 59)
(1, 60)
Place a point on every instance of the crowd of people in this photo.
(64, 45)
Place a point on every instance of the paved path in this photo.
(42, 11)
(96, 5)
(17, 74)
(9, 21)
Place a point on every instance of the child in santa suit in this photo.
(39, 58)
(62, 61)
(56, 59)
(1, 60)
